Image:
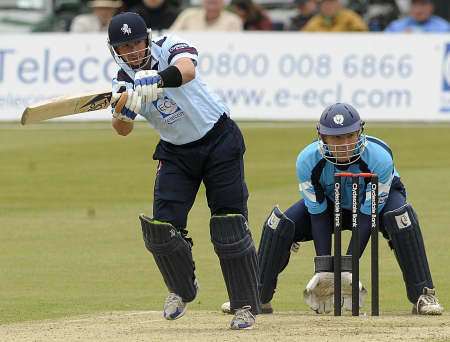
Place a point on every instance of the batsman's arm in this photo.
(122, 127)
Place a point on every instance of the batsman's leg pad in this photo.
(234, 246)
(274, 250)
(406, 239)
(173, 256)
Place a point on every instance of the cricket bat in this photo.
(65, 105)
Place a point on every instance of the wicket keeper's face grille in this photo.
(344, 153)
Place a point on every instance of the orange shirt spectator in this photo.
(333, 17)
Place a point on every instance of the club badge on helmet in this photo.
(339, 119)
(127, 28)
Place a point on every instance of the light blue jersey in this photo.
(316, 176)
(433, 24)
(184, 114)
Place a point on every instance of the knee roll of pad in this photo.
(234, 246)
(406, 239)
(274, 251)
(173, 256)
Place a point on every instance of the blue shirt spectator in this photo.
(421, 19)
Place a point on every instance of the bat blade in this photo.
(64, 106)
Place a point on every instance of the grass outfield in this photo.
(71, 194)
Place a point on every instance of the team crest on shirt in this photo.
(338, 119)
(169, 110)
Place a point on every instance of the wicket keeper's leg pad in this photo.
(406, 239)
(274, 251)
(234, 246)
(173, 256)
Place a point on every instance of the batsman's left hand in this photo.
(146, 85)
(126, 105)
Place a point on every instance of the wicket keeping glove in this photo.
(346, 284)
(126, 105)
(146, 84)
(319, 292)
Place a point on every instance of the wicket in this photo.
(355, 241)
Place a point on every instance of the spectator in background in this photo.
(380, 13)
(160, 14)
(333, 17)
(253, 16)
(306, 10)
(61, 18)
(98, 20)
(420, 19)
(211, 17)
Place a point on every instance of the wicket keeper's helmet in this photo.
(340, 119)
(128, 27)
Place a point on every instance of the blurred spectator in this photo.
(333, 17)
(442, 9)
(358, 6)
(60, 19)
(98, 20)
(252, 15)
(420, 19)
(158, 14)
(380, 13)
(306, 10)
(211, 17)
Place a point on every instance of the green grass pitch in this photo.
(71, 194)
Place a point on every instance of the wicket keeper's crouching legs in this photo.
(217, 160)
(399, 225)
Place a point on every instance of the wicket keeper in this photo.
(198, 143)
(342, 146)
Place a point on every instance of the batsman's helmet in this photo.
(128, 27)
(340, 119)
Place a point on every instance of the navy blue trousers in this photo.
(216, 159)
(302, 219)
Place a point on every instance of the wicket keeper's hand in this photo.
(126, 105)
(319, 292)
(146, 84)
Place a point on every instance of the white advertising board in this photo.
(261, 76)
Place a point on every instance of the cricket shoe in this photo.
(174, 307)
(427, 304)
(243, 319)
(265, 308)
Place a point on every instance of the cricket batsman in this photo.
(198, 143)
(342, 146)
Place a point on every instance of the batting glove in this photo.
(146, 84)
(126, 105)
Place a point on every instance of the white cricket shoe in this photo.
(428, 304)
(243, 319)
(174, 307)
(265, 308)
